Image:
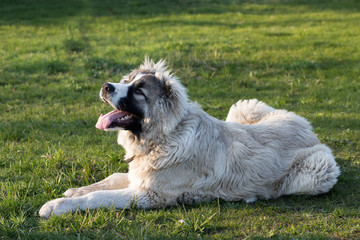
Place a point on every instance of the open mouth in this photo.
(114, 119)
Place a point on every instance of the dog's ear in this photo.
(166, 85)
(168, 91)
(174, 93)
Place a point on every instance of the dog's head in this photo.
(148, 99)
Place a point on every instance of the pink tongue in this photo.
(105, 120)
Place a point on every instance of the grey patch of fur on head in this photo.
(173, 103)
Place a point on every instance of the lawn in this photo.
(303, 56)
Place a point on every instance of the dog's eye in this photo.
(138, 91)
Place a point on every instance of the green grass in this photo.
(54, 56)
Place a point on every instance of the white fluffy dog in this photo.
(177, 153)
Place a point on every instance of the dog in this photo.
(178, 154)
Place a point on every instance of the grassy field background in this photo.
(303, 56)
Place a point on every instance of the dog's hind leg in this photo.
(114, 181)
(313, 171)
(248, 111)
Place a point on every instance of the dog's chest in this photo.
(140, 173)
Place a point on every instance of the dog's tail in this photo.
(248, 111)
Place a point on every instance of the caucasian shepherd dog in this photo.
(178, 154)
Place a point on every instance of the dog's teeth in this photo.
(125, 117)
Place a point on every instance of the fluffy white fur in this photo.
(183, 155)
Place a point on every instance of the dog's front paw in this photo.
(72, 192)
(76, 192)
(56, 207)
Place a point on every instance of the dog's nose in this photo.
(108, 87)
